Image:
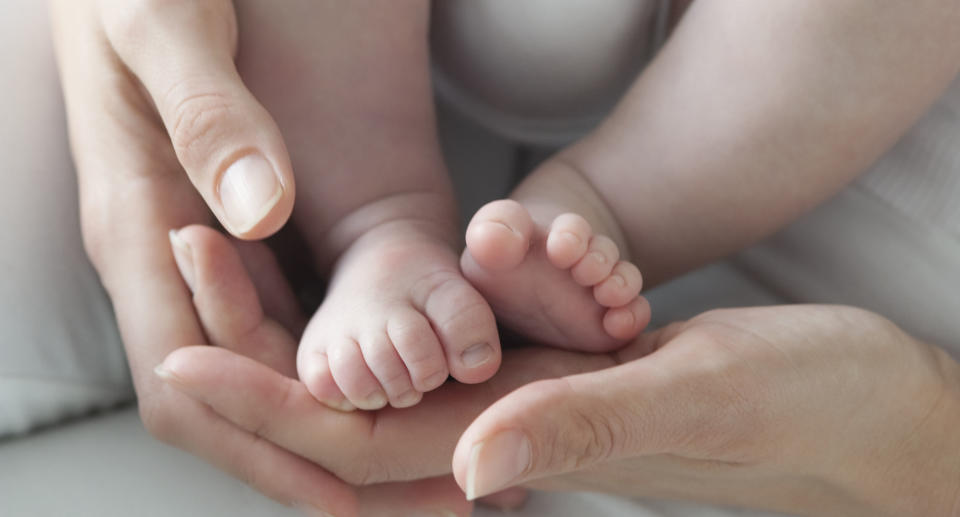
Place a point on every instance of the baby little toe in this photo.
(628, 321)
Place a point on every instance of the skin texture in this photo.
(752, 113)
(812, 113)
(730, 407)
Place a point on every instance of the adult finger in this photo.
(227, 300)
(182, 53)
(370, 447)
(432, 497)
(649, 406)
(281, 410)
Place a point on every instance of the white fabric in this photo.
(541, 71)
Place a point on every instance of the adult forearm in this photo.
(754, 112)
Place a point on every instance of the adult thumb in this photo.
(556, 426)
(182, 52)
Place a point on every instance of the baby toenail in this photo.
(622, 282)
(503, 225)
(375, 400)
(572, 237)
(408, 399)
(599, 257)
(436, 379)
(476, 355)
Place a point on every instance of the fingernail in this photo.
(162, 372)
(476, 355)
(248, 190)
(572, 237)
(497, 463)
(183, 256)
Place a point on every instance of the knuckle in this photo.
(598, 438)
(195, 118)
(365, 471)
(591, 433)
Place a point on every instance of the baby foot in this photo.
(561, 285)
(398, 318)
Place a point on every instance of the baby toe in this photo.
(419, 348)
(313, 369)
(385, 364)
(596, 265)
(498, 235)
(352, 376)
(466, 329)
(628, 321)
(622, 286)
(568, 240)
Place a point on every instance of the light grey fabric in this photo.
(890, 242)
(60, 352)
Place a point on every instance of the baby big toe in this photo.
(467, 330)
(498, 235)
(622, 286)
(568, 240)
(352, 376)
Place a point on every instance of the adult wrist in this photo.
(920, 473)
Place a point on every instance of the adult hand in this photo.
(805, 409)
(154, 102)
(159, 76)
(151, 91)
